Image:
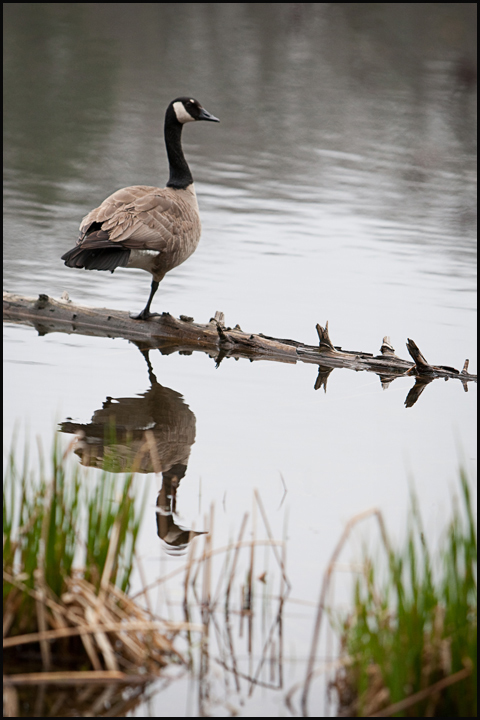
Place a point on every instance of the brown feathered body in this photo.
(145, 227)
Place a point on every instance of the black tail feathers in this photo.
(97, 259)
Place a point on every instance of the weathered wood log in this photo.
(183, 334)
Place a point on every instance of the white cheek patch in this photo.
(182, 115)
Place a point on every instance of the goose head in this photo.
(187, 109)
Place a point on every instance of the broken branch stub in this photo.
(326, 344)
(423, 367)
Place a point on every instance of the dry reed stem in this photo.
(89, 645)
(221, 579)
(102, 640)
(231, 648)
(423, 694)
(10, 608)
(250, 590)
(52, 604)
(237, 546)
(143, 579)
(207, 564)
(325, 585)
(200, 562)
(39, 582)
(133, 625)
(188, 569)
(85, 694)
(57, 620)
(325, 667)
(272, 660)
(282, 595)
(68, 450)
(122, 707)
(104, 699)
(285, 491)
(109, 562)
(223, 652)
(270, 535)
(130, 607)
(80, 677)
(96, 603)
(39, 576)
(11, 706)
(81, 597)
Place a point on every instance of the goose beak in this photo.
(205, 115)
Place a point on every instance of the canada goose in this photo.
(151, 228)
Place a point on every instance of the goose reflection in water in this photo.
(152, 432)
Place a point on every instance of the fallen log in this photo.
(182, 334)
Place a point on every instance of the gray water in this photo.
(340, 185)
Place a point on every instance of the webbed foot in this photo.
(144, 315)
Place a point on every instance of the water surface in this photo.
(340, 185)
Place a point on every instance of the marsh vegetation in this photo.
(407, 646)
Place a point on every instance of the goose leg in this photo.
(146, 314)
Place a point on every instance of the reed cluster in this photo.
(69, 542)
(409, 647)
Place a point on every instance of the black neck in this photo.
(180, 175)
